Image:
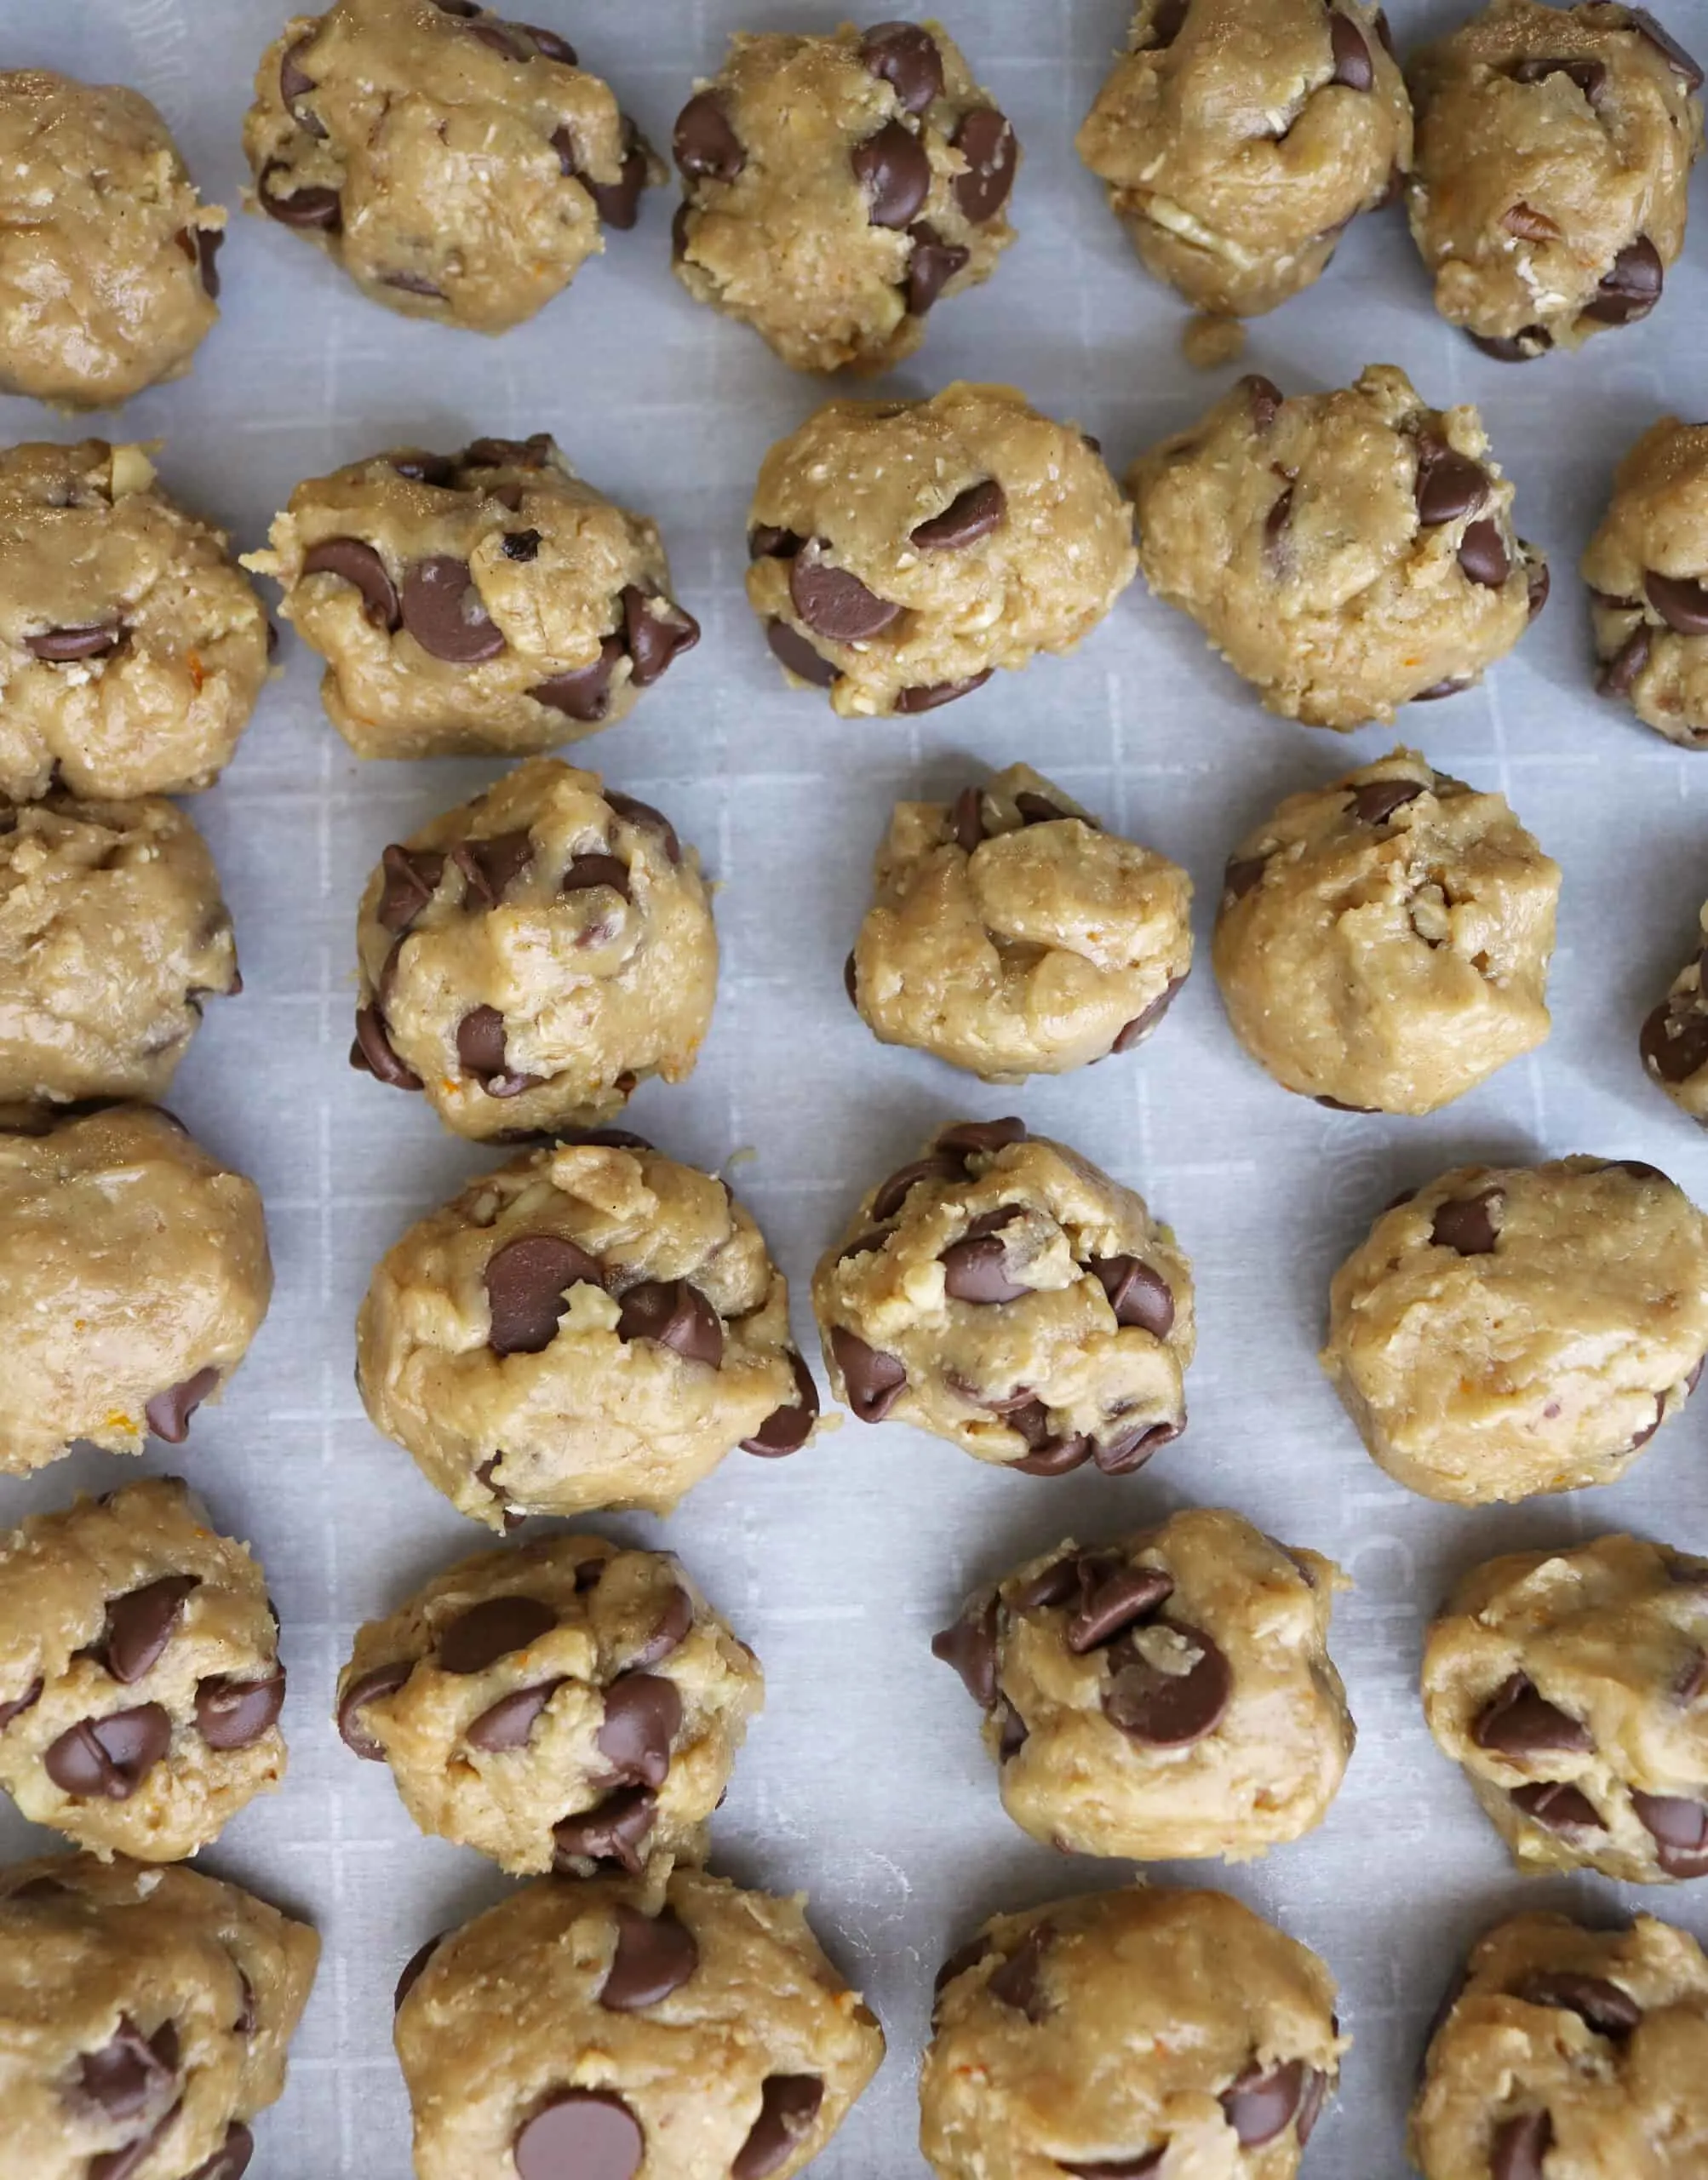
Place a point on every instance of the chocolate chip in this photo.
(580, 2134)
(971, 515)
(493, 1629)
(670, 1632)
(1112, 1598)
(1038, 810)
(235, 1713)
(646, 819)
(548, 45)
(1483, 556)
(408, 879)
(1260, 2103)
(873, 1381)
(1353, 66)
(1644, 24)
(787, 1429)
(1525, 221)
(657, 632)
(1680, 601)
(294, 84)
(1137, 1295)
(643, 1714)
(893, 170)
(932, 696)
(966, 1140)
(1058, 1584)
(933, 265)
(59, 646)
(654, 1955)
(109, 1757)
(168, 1414)
(526, 1281)
(480, 1041)
(616, 1832)
(1521, 348)
(969, 1646)
(1600, 2005)
(907, 59)
(129, 2073)
(492, 864)
(789, 2107)
(521, 545)
(415, 284)
(1049, 1454)
(850, 984)
(1449, 485)
(986, 141)
(1538, 583)
(792, 649)
(587, 874)
(368, 1688)
(442, 610)
(1127, 1450)
(976, 1269)
(1518, 2146)
(534, 452)
(435, 469)
(1618, 676)
(706, 146)
(833, 602)
(1469, 1224)
(140, 1624)
(1167, 19)
(769, 540)
(230, 2160)
(1125, 2168)
(19, 1705)
(1168, 1709)
(1674, 1047)
(202, 246)
(945, 1165)
(1244, 873)
(298, 207)
(966, 819)
(508, 1723)
(123, 2164)
(618, 203)
(1632, 289)
(1376, 801)
(1517, 1722)
(582, 693)
(675, 1315)
(1679, 1828)
(1590, 75)
(354, 561)
(1019, 1982)
(1263, 395)
(1559, 1808)
(1275, 522)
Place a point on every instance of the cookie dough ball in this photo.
(592, 1325)
(1011, 936)
(901, 551)
(835, 188)
(1238, 141)
(1347, 552)
(1168, 1698)
(456, 166)
(145, 2018)
(482, 601)
(618, 2029)
(1122, 2031)
(1647, 567)
(1003, 1294)
(1512, 1330)
(1674, 1042)
(131, 650)
(107, 279)
(527, 959)
(1382, 942)
(1553, 160)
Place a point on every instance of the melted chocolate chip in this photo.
(967, 1139)
(670, 1631)
(1520, 347)
(1261, 2103)
(674, 1315)
(945, 1165)
(1558, 1807)
(1679, 1828)
(495, 1628)
(230, 2160)
(618, 203)
(1263, 397)
(19, 1705)
(1590, 75)
(586, 873)
(1242, 874)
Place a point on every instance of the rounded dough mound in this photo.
(1382, 942)
(1511, 1330)
(1674, 1042)
(1647, 567)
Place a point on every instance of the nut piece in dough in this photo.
(689, 2029)
(134, 1274)
(564, 1704)
(1674, 1042)
(139, 1680)
(1507, 1331)
(107, 278)
(1118, 2032)
(1647, 568)
(529, 957)
(1553, 165)
(1347, 552)
(482, 601)
(1238, 141)
(834, 188)
(592, 1325)
(456, 166)
(901, 551)
(1567, 2049)
(1382, 942)
(1003, 1294)
(1170, 1697)
(131, 650)
(1011, 936)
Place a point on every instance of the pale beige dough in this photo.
(1382, 942)
(1088, 2036)
(1511, 1330)
(527, 959)
(1647, 568)
(1346, 552)
(1167, 1698)
(1238, 141)
(1674, 1040)
(486, 600)
(691, 2030)
(901, 551)
(1010, 935)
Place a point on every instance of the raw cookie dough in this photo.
(1003, 1294)
(1170, 1697)
(107, 279)
(1238, 141)
(1512, 1330)
(619, 2030)
(1569, 1686)
(528, 958)
(563, 1704)
(1128, 2033)
(456, 166)
(1382, 942)
(1347, 552)
(134, 1274)
(834, 188)
(1011, 936)
(901, 551)
(1674, 1042)
(145, 2018)
(592, 1325)
(1553, 163)
(1568, 2051)
(1647, 567)
(139, 1680)
(473, 602)
(131, 650)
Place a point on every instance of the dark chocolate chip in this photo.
(1518, 2146)
(109, 1757)
(1137, 1295)
(1058, 1584)
(508, 1723)
(1469, 1225)
(787, 1429)
(1113, 1598)
(643, 815)
(966, 819)
(580, 2134)
(1263, 396)
(368, 1688)
(932, 696)
(1519, 1722)
(1124, 2168)
(893, 170)
(1521, 348)
(792, 649)
(833, 602)
(413, 1970)
(1618, 675)
(933, 265)
(492, 865)
(1019, 1982)
(1449, 485)
(1538, 583)
(1167, 19)
(945, 1165)
(618, 203)
(534, 452)
(705, 144)
(587, 874)
(526, 1285)
(616, 1832)
(1168, 1710)
(298, 207)
(1590, 75)
(1244, 873)
(1600, 2005)
(548, 45)
(415, 284)
(168, 1414)
(493, 1629)
(769, 540)
(582, 693)
(19, 1705)
(971, 515)
(985, 139)
(788, 2107)
(1353, 66)
(976, 1268)
(202, 246)
(408, 879)
(657, 632)
(234, 1713)
(1376, 801)
(1049, 1454)
(675, 1315)
(294, 84)
(654, 1955)
(643, 1712)
(1558, 1807)
(1632, 289)
(141, 1623)
(1675, 1046)
(1483, 557)
(969, 1646)
(123, 2164)
(909, 60)
(873, 1381)
(670, 1631)
(1680, 601)
(230, 2160)
(1260, 2103)
(1276, 521)
(850, 984)
(130, 2073)
(1679, 1829)
(1038, 810)
(442, 610)
(59, 646)
(353, 561)
(438, 470)
(1680, 62)
(480, 1040)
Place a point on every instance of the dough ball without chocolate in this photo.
(1647, 567)
(1674, 1043)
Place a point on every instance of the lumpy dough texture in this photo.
(609, 2027)
(903, 550)
(1172, 1696)
(1674, 1042)
(1569, 2051)
(1511, 1330)
(107, 277)
(528, 958)
(146, 2015)
(456, 166)
(1002, 1292)
(139, 1680)
(835, 188)
(1346, 551)
(131, 650)
(1010, 935)
(1382, 942)
(1125, 2032)
(1237, 142)
(566, 1704)
(1554, 154)
(1647, 568)
(592, 1325)
(487, 600)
